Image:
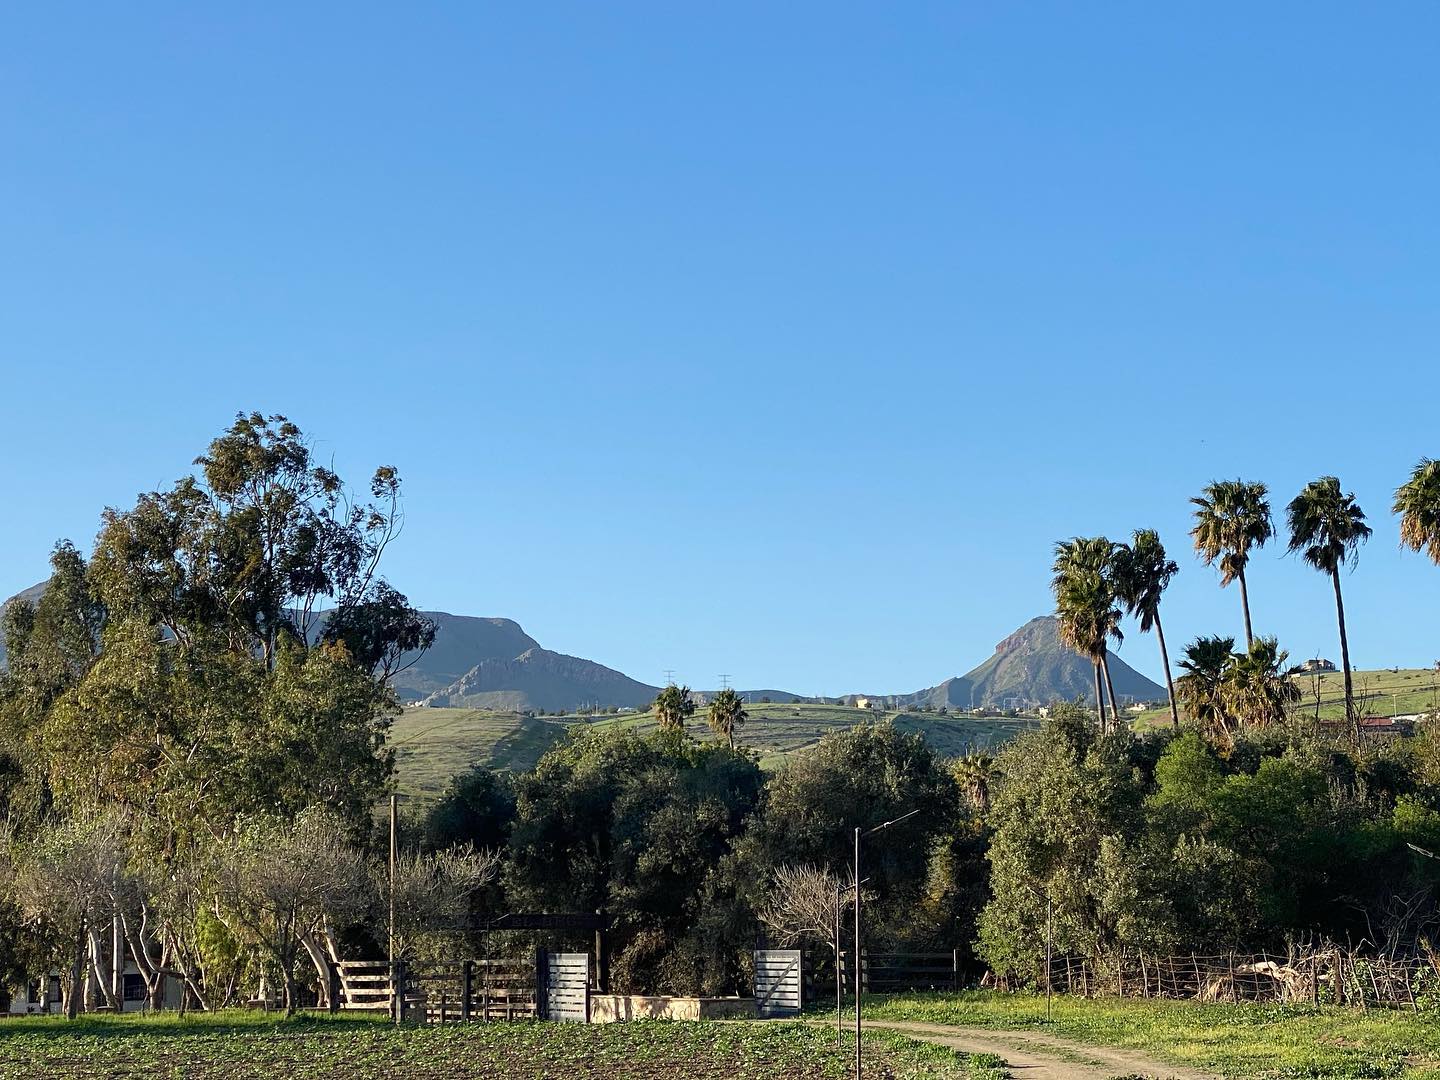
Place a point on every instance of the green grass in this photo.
(1381, 692)
(432, 745)
(239, 1044)
(1244, 1040)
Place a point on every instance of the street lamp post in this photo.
(859, 975)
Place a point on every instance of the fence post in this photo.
(397, 990)
(955, 969)
(540, 1010)
(332, 989)
(467, 987)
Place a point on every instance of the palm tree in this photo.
(1085, 606)
(727, 715)
(1142, 573)
(1259, 688)
(1231, 518)
(1417, 501)
(1327, 527)
(976, 773)
(673, 706)
(1206, 663)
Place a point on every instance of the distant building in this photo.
(863, 703)
(1317, 666)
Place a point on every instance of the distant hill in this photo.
(493, 664)
(1030, 668)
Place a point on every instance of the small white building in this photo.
(863, 703)
(41, 994)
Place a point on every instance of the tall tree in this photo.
(1232, 517)
(1085, 604)
(727, 715)
(1327, 528)
(1143, 572)
(1417, 501)
(673, 706)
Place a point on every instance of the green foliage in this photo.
(727, 715)
(1232, 518)
(234, 1044)
(638, 826)
(673, 706)
(1417, 501)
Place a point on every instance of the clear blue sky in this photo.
(773, 340)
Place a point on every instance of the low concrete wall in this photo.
(610, 1008)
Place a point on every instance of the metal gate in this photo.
(778, 982)
(563, 984)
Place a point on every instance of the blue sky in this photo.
(774, 340)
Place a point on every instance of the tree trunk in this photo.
(77, 976)
(1110, 688)
(1169, 681)
(97, 967)
(1245, 606)
(1099, 696)
(322, 967)
(1350, 718)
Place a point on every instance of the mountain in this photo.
(1032, 667)
(481, 663)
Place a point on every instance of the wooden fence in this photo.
(893, 972)
(1329, 976)
(458, 991)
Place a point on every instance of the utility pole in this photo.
(858, 961)
(394, 829)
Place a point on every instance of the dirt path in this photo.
(1035, 1055)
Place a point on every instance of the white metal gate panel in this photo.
(564, 986)
(778, 982)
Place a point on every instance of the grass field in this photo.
(1244, 1040)
(1381, 692)
(432, 745)
(235, 1044)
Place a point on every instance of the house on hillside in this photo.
(1317, 666)
(863, 703)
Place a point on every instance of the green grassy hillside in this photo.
(432, 745)
(1380, 692)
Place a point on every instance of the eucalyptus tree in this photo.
(727, 715)
(1232, 518)
(1143, 572)
(1085, 605)
(1417, 501)
(1327, 527)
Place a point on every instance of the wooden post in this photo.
(540, 1010)
(332, 973)
(467, 988)
(397, 989)
(955, 969)
(443, 1003)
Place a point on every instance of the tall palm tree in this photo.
(1206, 662)
(1231, 518)
(1417, 501)
(1327, 527)
(727, 715)
(1142, 573)
(1085, 605)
